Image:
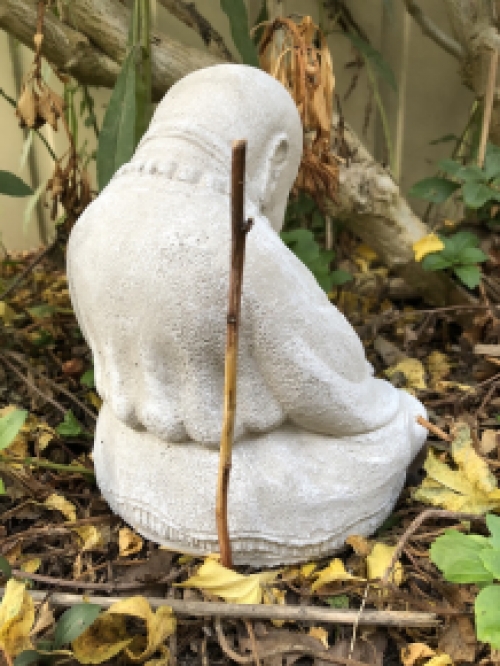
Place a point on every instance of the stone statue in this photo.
(321, 446)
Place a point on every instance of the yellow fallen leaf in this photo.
(272, 597)
(470, 488)
(60, 503)
(231, 586)
(90, 537)
(14, 554)
(427, 245)
(378, 561)
(415, 652)
(17, 614)
(306, 570)
(7, 314)
(440, 660)
(335, 571)
(107, 636)
(359, 544)
(439, 366)
(32, 565)
(412, 369)
(321, 634)
(94, 400)
(443, 385)
(129, 543)
(363, 257)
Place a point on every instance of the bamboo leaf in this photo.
(117, 139)
(13, 186)
(374, 57)
(236, 12)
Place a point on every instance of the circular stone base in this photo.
(293, 495)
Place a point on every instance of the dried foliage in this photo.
(38, 104)
(298, 56)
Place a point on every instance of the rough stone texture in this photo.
(321, 446)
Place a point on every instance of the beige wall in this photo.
(433, 102)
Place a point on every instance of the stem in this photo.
(488, 106)
(239, 231)
(381, 110)
(36, 462)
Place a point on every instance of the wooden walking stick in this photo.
(240, 228)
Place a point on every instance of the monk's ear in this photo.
(276, 160)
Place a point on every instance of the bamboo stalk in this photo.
(488, 106)
(386, 618)
(240, 229)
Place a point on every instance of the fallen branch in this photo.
(413, 527)
(434, 429)
(256, 611)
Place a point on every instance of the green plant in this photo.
(478, 188)
(460, 254)
(304, 225)
(12, 186)
(475, 559)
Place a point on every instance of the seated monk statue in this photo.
(321, 446)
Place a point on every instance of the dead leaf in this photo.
(427, 245)
(60, 503)
(17, 614)
(439, 366)
(91, 537)
(360, 545)
(415, 652)
(470, 488)
(107, 636)
(489, 442)
(412, 369)
(129, 542)
(458, 640)
(335, 571)
(378, 561)
(212, 577)
(321, 634)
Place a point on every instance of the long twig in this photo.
(413, 527)
(46, 464)
(431, 30)
(54, 385)
(488, 106)
(259, 611)
(240, 229)
(17, 281)
(434, 429)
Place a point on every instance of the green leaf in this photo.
(10, 425)
(472, 255)
(318, 221)
(375, 58)
(5, 568)
(457, 555)
(28, 657)
(444, 139)
(435, 262)
(236, 12)
(2, 487)
(117, 137)
(435, 189)
(13, 186)
(342, 601)
(302, 244)
(340, 277)
(43, 311)
(461, 240)
(69, 426)
(450, 167)
(87, 379)
(73, 623)
(263, 16)
(493, 524)
(487, 612)
(492, 162)
(469, 275)
(471, 173)
(491, 560)
(476, 194)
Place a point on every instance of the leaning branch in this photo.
(68, 49)
(431, 30)
(190, 16)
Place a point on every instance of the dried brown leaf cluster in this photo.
(297, 55)
(39, 104)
